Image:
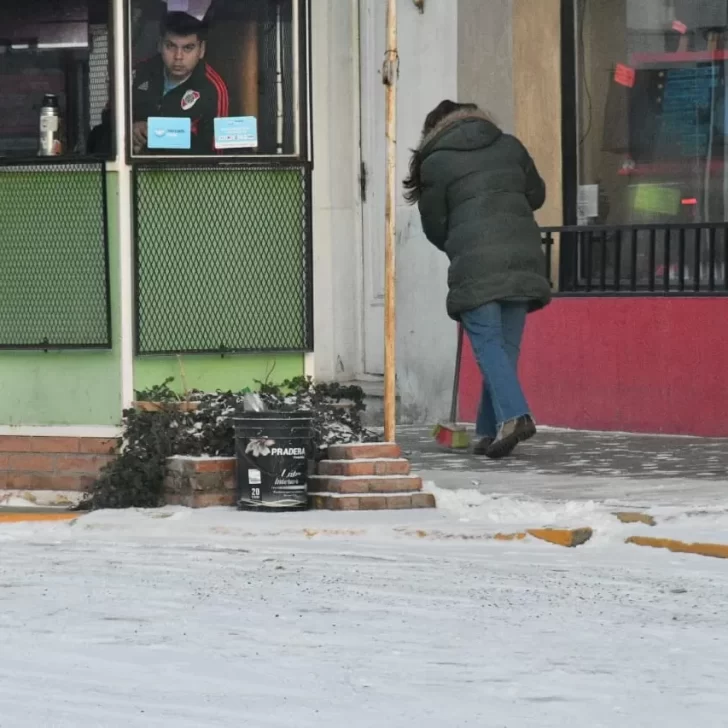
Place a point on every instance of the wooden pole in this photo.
(390, 71)
(248, 68)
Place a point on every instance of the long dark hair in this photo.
(413, 183)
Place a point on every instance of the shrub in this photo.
(135, 478)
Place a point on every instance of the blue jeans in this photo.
(495, 331)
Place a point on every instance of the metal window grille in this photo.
(54, 277)
(98, 73)
(649, 260)
(223, 258)
(275, 54)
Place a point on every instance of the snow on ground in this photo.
(180, 619)
(41, 498)
(642, 492)
(475, 511)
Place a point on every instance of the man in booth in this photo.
(178, 82)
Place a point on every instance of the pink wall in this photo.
(657, 365)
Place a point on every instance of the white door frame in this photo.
(371, 48)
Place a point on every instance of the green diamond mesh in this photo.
(54, 290)
(223, 258)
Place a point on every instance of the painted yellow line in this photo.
(716, 550)
(567, 537)
(635, 517)
(28, 517)
(312, 532)
(510, 536)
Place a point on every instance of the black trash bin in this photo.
(272, 450)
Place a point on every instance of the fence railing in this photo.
(647, 260)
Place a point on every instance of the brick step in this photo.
(370, 502)
(358, 468)
(345, 485)
(366, 451)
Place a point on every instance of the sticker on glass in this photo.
(167, 132)
(236, 132)
(624, 75)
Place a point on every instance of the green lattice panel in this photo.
(222, 259)
(54, 269)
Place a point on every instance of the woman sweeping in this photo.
(477, 189)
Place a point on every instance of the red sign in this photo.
(624, 75)
(679, 27)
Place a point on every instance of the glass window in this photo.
(214, 77)
(652, 110)
(54, 78)
(652, 118)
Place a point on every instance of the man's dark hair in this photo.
(182, 24)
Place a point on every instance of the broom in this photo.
(450, 434)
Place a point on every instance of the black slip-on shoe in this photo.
(510, 434)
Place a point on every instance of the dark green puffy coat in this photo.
(479, 190)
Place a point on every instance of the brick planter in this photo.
(52, 463)
(200, 482)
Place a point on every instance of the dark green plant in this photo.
(135, 478)
(158, 393)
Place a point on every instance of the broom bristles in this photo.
(451, 435)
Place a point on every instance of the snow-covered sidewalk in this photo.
(180, 619)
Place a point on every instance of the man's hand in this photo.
(139, 135)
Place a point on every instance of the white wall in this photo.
(457, 49)
(485, 57)
(336, 216)
(426, 337)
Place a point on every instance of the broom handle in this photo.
(456, 378)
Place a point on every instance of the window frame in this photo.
(302, 133)
(569, 112)
(573, 238)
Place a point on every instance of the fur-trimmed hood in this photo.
(462, 130)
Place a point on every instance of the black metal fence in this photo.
(54, 274)
(223, 258)
(647, 260)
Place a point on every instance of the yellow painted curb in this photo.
(28, 517)
(510, 536)
(567, 537)
(312, 533)
(635, 517)
(716, 550)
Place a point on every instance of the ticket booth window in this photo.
(211, 78)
